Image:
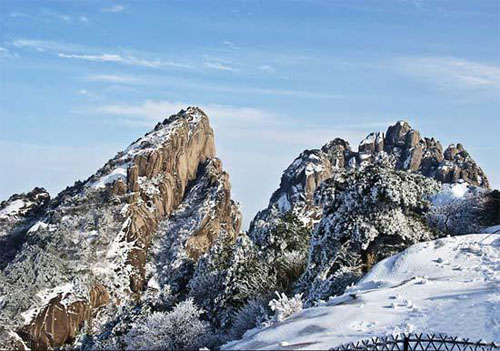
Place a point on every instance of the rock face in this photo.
(401, 148)
(91, 243)
(207, 212)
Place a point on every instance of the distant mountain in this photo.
(147, 253)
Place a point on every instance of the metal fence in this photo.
(418, 342)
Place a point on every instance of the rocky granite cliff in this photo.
(90, 245)
(401, 148)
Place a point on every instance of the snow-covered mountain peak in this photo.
(94, 238)
(185, 124)
(401, 147)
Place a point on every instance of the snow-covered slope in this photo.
(449, 285)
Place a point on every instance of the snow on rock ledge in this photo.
(447, 286)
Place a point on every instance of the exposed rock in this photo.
(412, 139)
(225, 217)
(58, 323)
(192, 229)
(396, 135)
(401, 147)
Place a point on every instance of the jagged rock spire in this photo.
(401, 147)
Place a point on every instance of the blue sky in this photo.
(80, 80)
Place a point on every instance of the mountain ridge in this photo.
(157, 222)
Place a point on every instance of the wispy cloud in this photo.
(291, 92)
(47, 15)
(451, 72)
(232, 121)
(113, 9)
(18, 14)
(162, 82)
(112, 78)
(81, 52)
(220, 66)
(230, 44)
(150, 111)
(5, 53)
(95, 58)
(127, 60)
(46, 45)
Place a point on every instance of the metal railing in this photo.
(418, 342)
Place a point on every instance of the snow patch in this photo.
(117, 173)
(450, 193)
(37, 226)
(13, 208)
(418, 290)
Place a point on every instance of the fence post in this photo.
(406, 343)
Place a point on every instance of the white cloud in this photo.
(17, 14)
(160, 81)
(112, 78)
(83, 19)
(81, 52)
(65, 18)
(43, 15)
(44, 45)
(297, 93)
(219, 66)
(451, 72)
(95, 58)
(113, 9)
(236, 121)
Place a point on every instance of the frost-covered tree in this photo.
(284, 306)
(252, 315)
(232, 274)
(368, 215)
(465, 214)
(180, 329)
